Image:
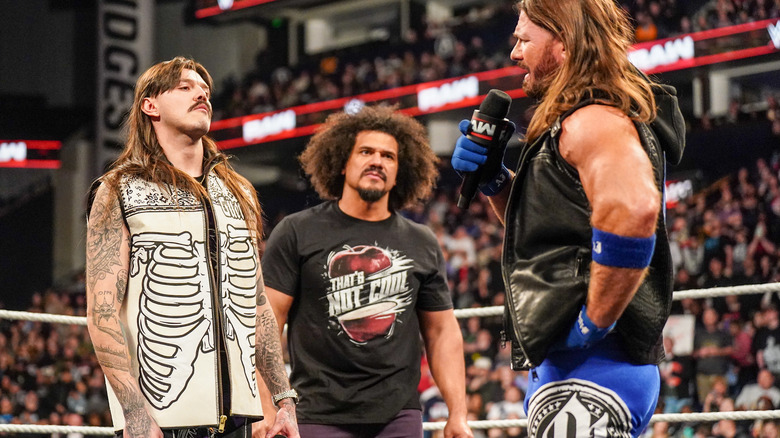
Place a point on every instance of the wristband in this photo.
(621, 251)
(585, 332)
(498, 183)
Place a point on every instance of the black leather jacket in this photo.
(547, 247)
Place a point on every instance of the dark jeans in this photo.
(407, 424)
(235, 427)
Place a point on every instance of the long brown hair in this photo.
(596, 35)
(144, 157)
(329, 149)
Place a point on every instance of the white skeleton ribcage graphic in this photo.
(174, 320)
(175, 315)
(239, 269)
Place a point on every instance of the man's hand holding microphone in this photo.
(479, 152)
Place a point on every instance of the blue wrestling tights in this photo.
(595, 392)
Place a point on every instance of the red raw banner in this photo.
(210, 8)
(30, 154)
(414, 100)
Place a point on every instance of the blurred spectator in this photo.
(461, 247)
(659, 429)
(436, 412)
(693, 256)
(750, 395)
(511, 404)
(6, 410)
(479, 380)
(715, 277)
(717, 398)
(483, 347)
(475, 405)
(767, 429)
(742, 357)
(766, 342)
(728, 429)
(646, 29)
(733, 311)
(684, 281)
(677, 378)
(712, 348)
(510, 408)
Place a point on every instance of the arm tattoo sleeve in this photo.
(104, 315)
(268, 351)
(107, 258)
(137, 420)
(104, 238)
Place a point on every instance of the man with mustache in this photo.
(357, 284)
(175, 304)
(586, 259)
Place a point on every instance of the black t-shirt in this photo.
(768, 340)
(677, 373)
(353, 331)
(718, 339)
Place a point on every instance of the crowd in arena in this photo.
(478, 40)
(428, 52)
(725, 235)
(666, 18)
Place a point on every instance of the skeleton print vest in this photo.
(179, 309)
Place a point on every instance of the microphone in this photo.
(487, 127)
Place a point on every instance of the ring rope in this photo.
(42, 317)
(697, 417)
(676, 296)
(459, 313)
(439, 425)
(35, 428)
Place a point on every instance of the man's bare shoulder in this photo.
(595, 126)
(597, 120)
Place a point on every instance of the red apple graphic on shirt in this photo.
(368, 322)
(374, 319)
(368, 259)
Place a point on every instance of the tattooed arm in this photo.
(108, 258)
(269, 362)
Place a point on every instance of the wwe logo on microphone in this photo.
(482, 129)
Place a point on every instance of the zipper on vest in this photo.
(578, 268)
(222, 420)
(217, 309)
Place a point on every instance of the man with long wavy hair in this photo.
(175, 304)
(357, 284)
(586, 259)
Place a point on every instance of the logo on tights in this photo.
(577, 408)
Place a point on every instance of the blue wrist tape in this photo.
(498, 183)
(621, 251)
(583, 334)
(589, 328)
